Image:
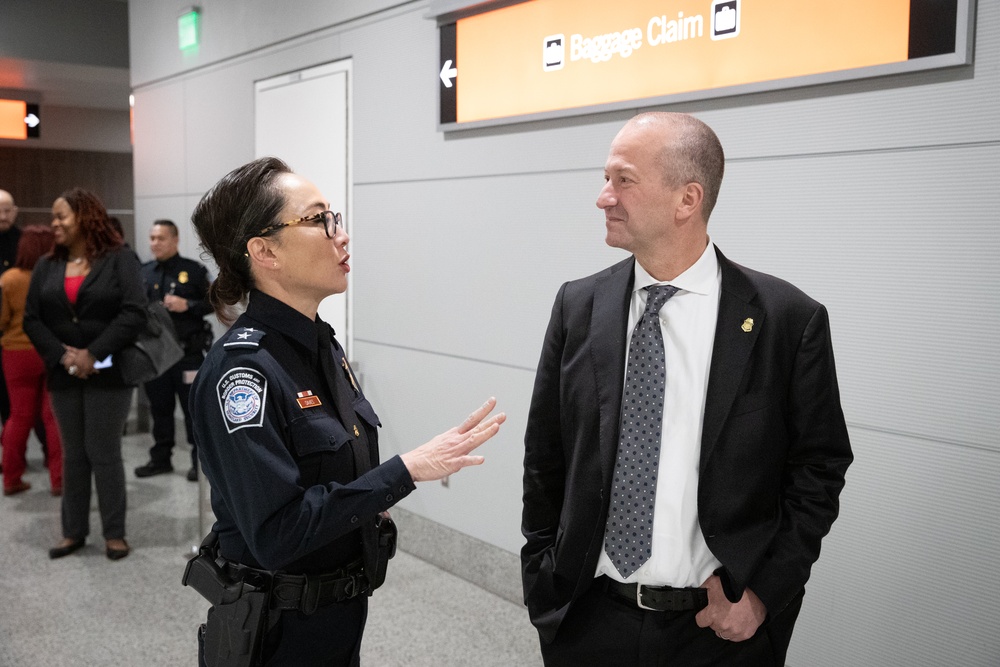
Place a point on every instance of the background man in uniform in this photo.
(688, 540)
(182, 285)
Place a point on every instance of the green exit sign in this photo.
(188, 32)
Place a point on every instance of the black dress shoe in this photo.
(118, 554)
(59, 552)
(153, 468)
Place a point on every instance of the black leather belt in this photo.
(657, 598)
(308, 592)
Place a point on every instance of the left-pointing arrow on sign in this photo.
(31, 120)
(447, 74)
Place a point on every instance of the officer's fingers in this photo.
(478, 437)
(477, 415)
(467, 461)
(496, 419)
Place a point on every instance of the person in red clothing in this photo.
(24, 369)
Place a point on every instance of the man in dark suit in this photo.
(689, 544)
(10, 234)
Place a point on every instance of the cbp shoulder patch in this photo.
(242, 393)
(244, 337)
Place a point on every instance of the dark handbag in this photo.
(153, 352)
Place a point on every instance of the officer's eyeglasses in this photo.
(328, 219)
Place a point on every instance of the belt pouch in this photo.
(386, 549)
(235, 631)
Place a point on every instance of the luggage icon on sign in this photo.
(725, 19)
(553, 52)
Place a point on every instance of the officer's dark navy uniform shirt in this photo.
(293, 483)
(187, 279)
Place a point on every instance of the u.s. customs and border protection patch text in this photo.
(242, 393)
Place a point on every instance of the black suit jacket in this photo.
(108, 315)
(774, 444)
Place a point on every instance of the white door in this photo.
(303, 119)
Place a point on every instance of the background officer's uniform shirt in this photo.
(680, 556)
(278, 457)
(184, 278)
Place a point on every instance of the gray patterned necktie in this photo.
(628, 537)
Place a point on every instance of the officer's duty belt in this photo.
(308, 592)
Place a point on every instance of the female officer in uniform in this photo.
(286, 438)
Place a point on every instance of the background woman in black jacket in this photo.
(86, 303)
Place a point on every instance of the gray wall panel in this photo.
(488, 297)
(229, 28)
(902, 579)
(161, 163)
(908, 271)
(79, 129)
(418, 395)
(472, 267)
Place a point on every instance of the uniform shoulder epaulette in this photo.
(243, 337)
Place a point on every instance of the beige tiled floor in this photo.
(86, 610)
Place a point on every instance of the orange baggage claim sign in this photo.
(542, 57)
(18, 120)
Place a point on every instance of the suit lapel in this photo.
(96, 267)
(608, 324)
(731, 351)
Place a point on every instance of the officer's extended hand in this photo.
(449, 452)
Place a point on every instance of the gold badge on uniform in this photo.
(357, 433)
(307, 399)
(182, 277)
(747, 325)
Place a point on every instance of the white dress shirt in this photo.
(680, 556)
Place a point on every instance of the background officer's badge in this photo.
(242, 393)
(182, 277)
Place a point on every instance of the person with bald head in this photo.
(10, 234)
(685, 446)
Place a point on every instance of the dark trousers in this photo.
(330, 637)
(601, 629)
(91, 420)
(162, 403)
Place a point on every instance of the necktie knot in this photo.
(657, 295)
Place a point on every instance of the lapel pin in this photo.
(747, 325)
(357, 433)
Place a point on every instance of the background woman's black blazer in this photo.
(108, 315)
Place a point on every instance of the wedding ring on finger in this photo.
(72, 370)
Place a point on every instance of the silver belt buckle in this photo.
(638, 598)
